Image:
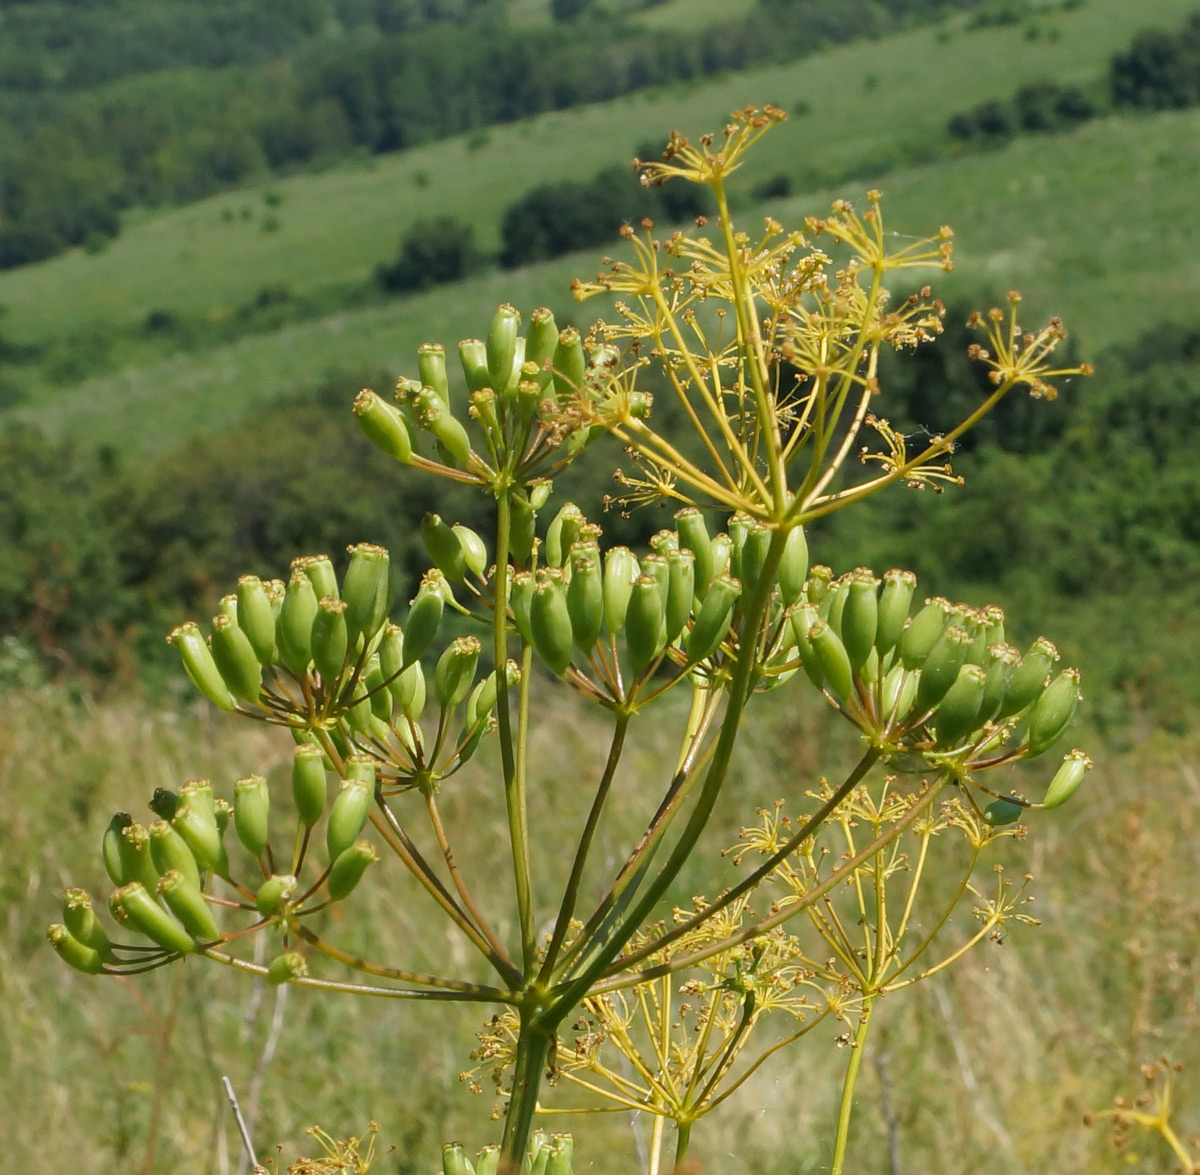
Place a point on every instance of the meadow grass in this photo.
(1066, 218)
(987, 1070)
(870, 106)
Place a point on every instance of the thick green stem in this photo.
(533, 1049)
(683, 1137)
(846, 1109)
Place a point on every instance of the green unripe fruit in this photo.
(251, 813)
(187, 903)
(487, 1162)
(385, 426)
(133, 847)
(455, 1161)
(693, 536)
(201, 835)
(541, 343)
(664, 542)
(520, 599)
(455, 672)
(753, 555)
(502, 347)
(1066, 780)
(424, 616)
(802, 621)
(199, 665)
(793, 567)
(320, 572)
(620, 573)
(958, 714)
(110, 848)
(147, 917)
(860, 617)
(256, 617)
(645, 620)
(569, 364)
(483, 697)
(348, 869)
(658, 569)
(831, 657)
(330, 640)
(561, 533)
(1000, 665)
(523, 532)
(941, 667)
(284, 968)
(737, 527)
(198, 794)
(681, 591)
(168, 850)
(362, 768)
(222, 814)
(816, 587)
(1029, 678)
(585, 601)
(431, 367)
(347, 816)
(293, 629)
(472, 354)
(367, 590)
(1052, 712)
(83, 925)
(308, 783)
(721, 549)
(890, 692)
(711, 625)
(550, 624)
(73, 952)
(236, 660)
(1001, 812)
(833, 607)
(474, 549)
(923, 632)
(274, 894)
(894, 599)
(433, 416)
(444, 548)
(378, 693)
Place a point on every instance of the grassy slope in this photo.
(1025, 216)
(335, 226)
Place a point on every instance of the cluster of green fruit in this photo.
(547, 1155)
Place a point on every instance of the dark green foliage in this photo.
(1160, 70)
(432, 253)
(1041, 106)
(568, 10)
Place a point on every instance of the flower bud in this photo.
(1001, 663)
(941, 667)
(922, 633)
(645, 619)
(1052, 712)
(367, 590)
(308, 783)
(199, 665)
(860, 617)
(620, 573)
(110, 848)
(347, 816)
(472, 354)
(1001, 812)
(274, 894)
(346, 872)
(502, 347)
(958, 714)
(1030, 678)
(187, 903)
(474, 549)
(136, 861)
(681, 591)
(251, 813)
(520, 599)
(83, 925)
(894, 599)
(444, 548)
(1066, 780)
(424, 615)
(73, 952)
(147, 917)
(793, 567)
(585, 601)
(286, 967)
(235, 658)
(831, 656)
(293, 629)
(320, 572)
(693, 536)
(711, 625)
(550, 624)
(168, 850)
(385, 426)
(455, 672)
(569, 364)
(256, 617)
(431, 368)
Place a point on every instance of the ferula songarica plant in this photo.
(769, 345)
